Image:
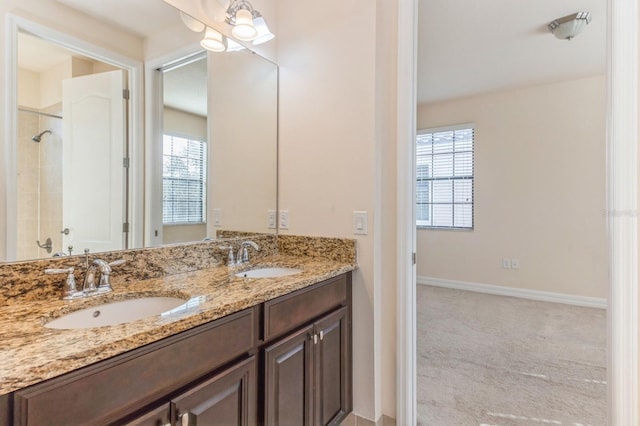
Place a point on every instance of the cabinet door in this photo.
(332, 369)
(288, 380)
(226, 399)
(157, 417)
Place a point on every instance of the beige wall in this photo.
(243, 134)
(28, 88)
(539, 190)
(337, 109)
(386, 198)
(183, 233)
(182, 123)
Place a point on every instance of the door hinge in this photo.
(413, 257)
(125, 94)
(125, 162)
(125, 227)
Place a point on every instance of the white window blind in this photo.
(444, 178)
(184, 171)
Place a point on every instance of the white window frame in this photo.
(424, 224)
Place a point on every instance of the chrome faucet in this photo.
(69, 291)
(105, 273)
(243, 253)
(89, 286)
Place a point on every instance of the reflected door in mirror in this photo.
(93, 175)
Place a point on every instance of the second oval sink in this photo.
(115, 313)
(268, 272)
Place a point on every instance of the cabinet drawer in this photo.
(288, 312)
(111, 389)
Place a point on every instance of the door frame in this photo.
(153, 233)
(621, 212)
(133, 68)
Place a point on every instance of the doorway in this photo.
(621, 179)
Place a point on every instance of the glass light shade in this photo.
(569, 30)
(213, 41)
(264, 35)
(568, 27)
(244, 29)
(191, 23)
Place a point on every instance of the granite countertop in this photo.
(31, 353)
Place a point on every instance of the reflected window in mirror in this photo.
(185, 150)
(184, 183)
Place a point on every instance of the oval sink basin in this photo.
(268, 272)
(115, 313)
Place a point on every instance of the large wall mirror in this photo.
(84, 177)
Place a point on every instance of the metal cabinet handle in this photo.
(184, 418)
(315, 339)
(65, 231)
(321, 334)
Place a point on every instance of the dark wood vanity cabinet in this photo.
(228, 398)
(308, 374)
(284, 362)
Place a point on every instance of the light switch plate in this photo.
(284, 219)
(217, 217)
(271, 219)
(360, 223)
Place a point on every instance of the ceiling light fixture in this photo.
(213, 41)
(568, 27)
(248, 23)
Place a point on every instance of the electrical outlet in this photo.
(271, 219)
(506, 263)
(217, 217)
(515, 263)
(284, 219)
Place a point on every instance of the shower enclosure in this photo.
(39, 168)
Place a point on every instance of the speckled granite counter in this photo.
(31, 353)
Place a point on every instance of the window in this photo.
(184, 188)
(444, 177)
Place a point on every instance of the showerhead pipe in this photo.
(38, 138)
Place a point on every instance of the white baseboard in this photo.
(544, 296)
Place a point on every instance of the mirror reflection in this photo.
(184, 151)
(70, 189)
(216, 139)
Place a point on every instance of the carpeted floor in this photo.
(495, 360)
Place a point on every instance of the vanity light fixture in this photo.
(264, 35)
(191, 23)
(569, 26)
(243, 29)
(248, 24)
(214, 41)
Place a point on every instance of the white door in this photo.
(93, 176)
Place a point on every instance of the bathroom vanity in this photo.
(272, 351)
(285, 361)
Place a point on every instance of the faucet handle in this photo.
(117, 262)
(243, 252)
(51, 271)
(69, 291)
(230, 257)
